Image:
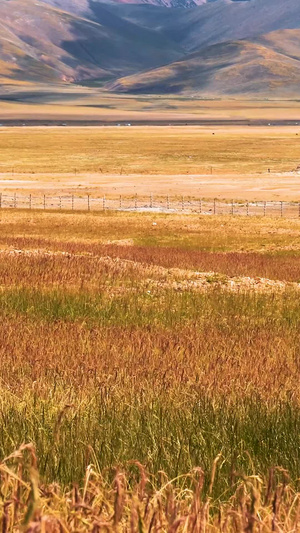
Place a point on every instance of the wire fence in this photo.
(151, 204)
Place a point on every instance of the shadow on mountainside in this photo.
(111, 47)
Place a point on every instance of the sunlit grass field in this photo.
(148, 150)
(108, 356)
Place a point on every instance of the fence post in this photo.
(247, 207)
(151, 200)
(215, 207)
(265, 208)
(232, 208)
(103, 203)
(30, 204)
(44, 201)
(120, 201)
(281, 209)
(72, 202)
(168, 202)
(200, 206)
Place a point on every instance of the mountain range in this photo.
(191, 47)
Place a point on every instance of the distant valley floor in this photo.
(57, 105)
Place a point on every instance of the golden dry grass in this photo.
(133, 503)
(84, 231)
(104, 361)
(152, 150)
(230, 162)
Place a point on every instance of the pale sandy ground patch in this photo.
(253, 187)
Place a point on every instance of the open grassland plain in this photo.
(254, 163)
(165, 341)
(149, 150)
(61, 103)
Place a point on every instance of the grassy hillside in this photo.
(43, 43)
(217, 48)
(266, 65)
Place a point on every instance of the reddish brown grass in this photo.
(285, 267)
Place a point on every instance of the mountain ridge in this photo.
(72, 48)
(235, 68)
(221, 47)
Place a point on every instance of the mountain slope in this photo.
(80, 6)
(267, 66)
(41, 43)
(215, 22)
(219, 48)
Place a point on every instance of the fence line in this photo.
(183, 205)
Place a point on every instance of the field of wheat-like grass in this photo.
(150, 364)
(134, 501)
